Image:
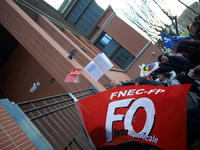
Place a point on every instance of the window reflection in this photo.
(115, 51)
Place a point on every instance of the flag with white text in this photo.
(154, 115)
(170, 41)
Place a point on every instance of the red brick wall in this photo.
(90, 46)
(125, 35)
(42, 47)
(79, 43)
(105, 18)
(101, 23)
(146, 57)
(11, 134)
(69, 42)
(64, 41)
(118, 76)
(19, 74)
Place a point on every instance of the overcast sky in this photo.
(174, 6)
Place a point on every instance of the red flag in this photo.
(73, 76)
(154, 115)
(75, 71)
(179, 54)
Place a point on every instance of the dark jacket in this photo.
(128, 83)
(179, 64)
(197, 34)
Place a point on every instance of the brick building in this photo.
(36, 41)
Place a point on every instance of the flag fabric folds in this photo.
(73, 76)
(170, 41)
(143, 113)
(146, 70)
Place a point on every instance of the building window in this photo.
(84, 15)
(114, 51)
(103, 41)
(64, 5)
(122, 58)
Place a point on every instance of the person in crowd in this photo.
(194, 29)
(197, 69)
(144, 81)
(190, 49)
(118, 84)
(193, 111)
(197, 17)
(180, 65)
(138, 81)
(168, 78)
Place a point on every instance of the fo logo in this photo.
(145, 103)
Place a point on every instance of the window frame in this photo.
(115, 52)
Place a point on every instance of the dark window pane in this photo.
(123, 58)
(114, 51)
(103, 41)
(119, 61)
(84, 15)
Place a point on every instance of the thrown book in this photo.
(98, 66)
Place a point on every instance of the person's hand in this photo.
(116, 83)
(183, 73)
(196, 69)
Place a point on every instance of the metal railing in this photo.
(57, 119)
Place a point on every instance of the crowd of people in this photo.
(181, 69)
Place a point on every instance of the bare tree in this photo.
(172, 18)
(145, 18)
